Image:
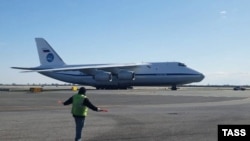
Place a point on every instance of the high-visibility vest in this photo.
(78, 109)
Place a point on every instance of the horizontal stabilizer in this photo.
(22, 68)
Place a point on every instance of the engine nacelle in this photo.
(103, 76)
(126, 75)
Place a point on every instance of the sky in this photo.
(210, 36)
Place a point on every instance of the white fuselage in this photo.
(155, 74)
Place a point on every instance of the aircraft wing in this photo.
(82, 68)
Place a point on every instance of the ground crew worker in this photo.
(80, 104)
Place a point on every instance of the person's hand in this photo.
(102, 110)
(60, 102)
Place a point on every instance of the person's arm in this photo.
(69, 101)
(92, 106)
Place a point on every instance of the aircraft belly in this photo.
(161, 80)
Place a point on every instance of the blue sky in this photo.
(211, 36)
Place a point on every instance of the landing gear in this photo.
(174, 88)
(113, 87)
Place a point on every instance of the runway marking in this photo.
(203, 104)
(198, 104)
(29, 108)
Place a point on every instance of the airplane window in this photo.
(182, 65)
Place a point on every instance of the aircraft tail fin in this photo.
(47, 55)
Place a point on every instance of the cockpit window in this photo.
(181, 64)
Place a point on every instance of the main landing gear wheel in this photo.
(173, 88)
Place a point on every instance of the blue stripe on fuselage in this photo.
(149, 74)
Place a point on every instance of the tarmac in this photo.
(150, 114)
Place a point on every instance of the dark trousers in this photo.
(79, 126)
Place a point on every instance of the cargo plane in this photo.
(112, 76)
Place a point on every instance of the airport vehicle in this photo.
(112, 76)
(239, 88)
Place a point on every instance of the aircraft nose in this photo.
(202, 76)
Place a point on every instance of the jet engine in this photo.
(126, 75)
(103, 76)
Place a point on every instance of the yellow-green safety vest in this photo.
(78, 109)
